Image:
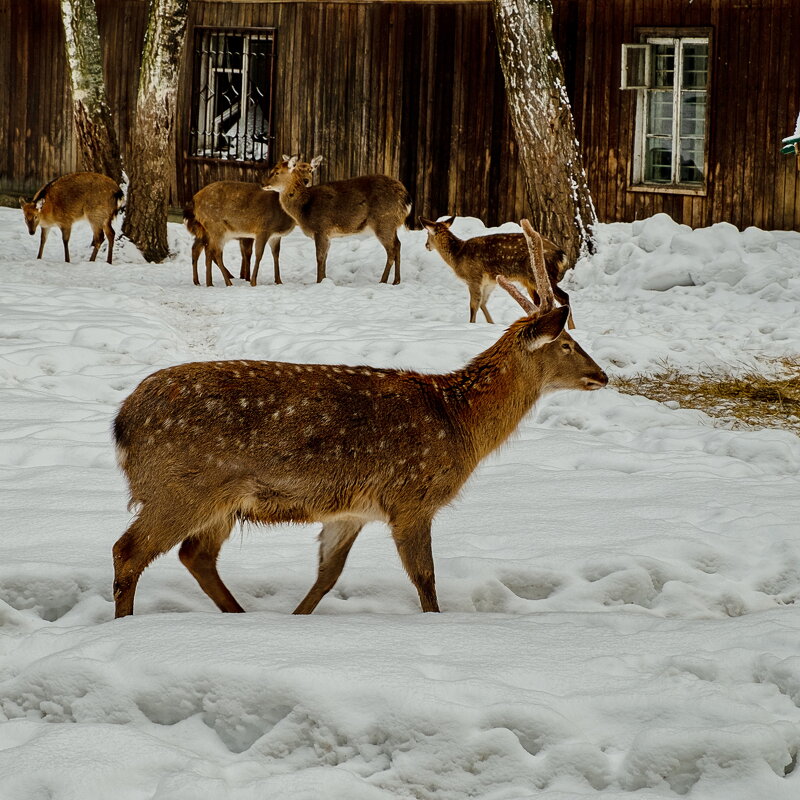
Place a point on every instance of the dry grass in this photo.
(750, 400)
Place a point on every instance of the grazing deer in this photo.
(205, 445)
(478, 262)
(70, 199)
(226, 210)
(342, 208)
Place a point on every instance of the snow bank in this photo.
(618, 582)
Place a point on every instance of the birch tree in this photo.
(561, 205)
(149, 166)
(94, 125)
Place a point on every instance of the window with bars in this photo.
(670, 75)
(232, 94)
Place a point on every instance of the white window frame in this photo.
(678, 40)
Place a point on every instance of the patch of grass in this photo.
(749, 400)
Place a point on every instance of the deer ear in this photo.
(545, 328)
(316, 161)
(22, 202)
(284, 157)
(426, 223)
(447, 222)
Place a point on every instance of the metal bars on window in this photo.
(232, 94)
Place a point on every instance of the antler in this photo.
(528, 307)
(544, 288)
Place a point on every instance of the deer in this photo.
(205, 445)
(226, 210)
(342, 208)
(70, 199)
(478, 262)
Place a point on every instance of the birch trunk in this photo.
(561, 205)
(150, 164)
(94, 126)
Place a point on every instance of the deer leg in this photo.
(392, 247)
(110, 235)
(322, 244)
(97, 240)
(197, 246)
(150, 535)
(335, 541)
(246, 249)
(65, 234)
(42, 240)
(475, 300)
(486, 291)
(275, 246)
(413, 542)
(261, 242)
(199, 555)
(216, 256)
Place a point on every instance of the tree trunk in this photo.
(150, 163)
(561, 206)
(97, 138)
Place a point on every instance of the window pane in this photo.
(692, 167)
(695, 66)
(658, 160)
(233, 95)
(659, 113)
(664, 65)
(693, 114)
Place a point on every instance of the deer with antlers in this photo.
(205, 445)
(480, 260)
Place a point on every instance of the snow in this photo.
(618, 584)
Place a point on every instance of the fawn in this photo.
(342, 208)
(478, 262)
(226, 210)
(70, 199)
(204, 445)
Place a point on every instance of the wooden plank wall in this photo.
(415, 90)
(412, 90)
(754, 99)
(36, 141)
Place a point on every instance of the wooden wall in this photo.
(754, 98)
(414, 89)
(36, 138)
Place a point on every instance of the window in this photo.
(232, 95)
(670, 75)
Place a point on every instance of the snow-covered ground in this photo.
(619, 584)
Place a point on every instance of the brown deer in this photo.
(70, 199)
(226, 210)
(342, 208)
(204, 445)
(478, 262)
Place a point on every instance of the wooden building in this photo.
(414, 89)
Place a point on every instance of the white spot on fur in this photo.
(243, 402)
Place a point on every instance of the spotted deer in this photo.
(226, 210)
(204, 445)
(72, 198)
(342, 208)
(478, 262)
